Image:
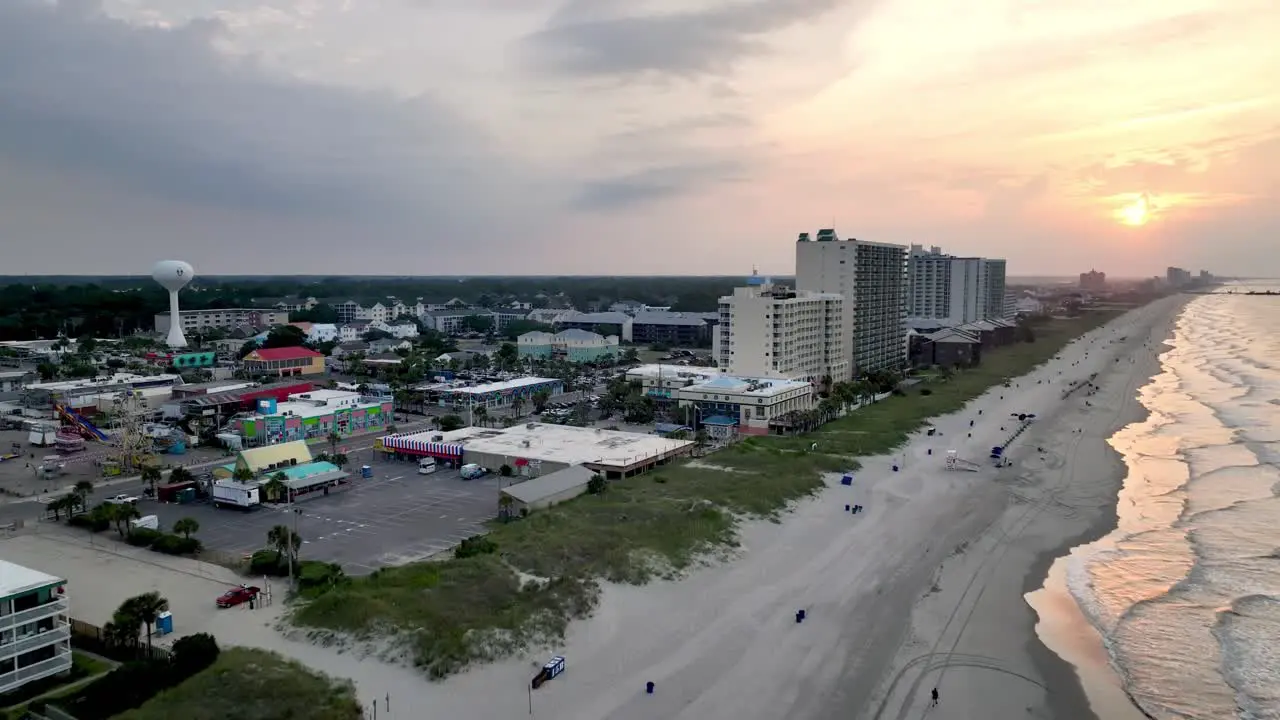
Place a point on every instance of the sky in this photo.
(681, 137)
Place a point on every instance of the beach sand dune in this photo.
(923, 589)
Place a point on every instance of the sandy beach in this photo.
(923, 589)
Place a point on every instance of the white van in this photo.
(426, 466)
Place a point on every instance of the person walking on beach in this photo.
(935, 698)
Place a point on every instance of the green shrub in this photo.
(475, 545)
(316, 577)
(268, 562)
(170, 544)
(143, 537)
(90, 521)
(193, 653)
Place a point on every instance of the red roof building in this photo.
(284, 362)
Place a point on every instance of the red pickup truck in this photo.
(238, 595)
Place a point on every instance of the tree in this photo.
(517, 404)
(341, 459)
(478, 323)
(86, 345)
(630, 356)
(276, 487)
(540, 400)
(285, 336)
(186, 526)
(121, 631)
(334, 439)
(48, 371)
(57, 505)
(121, 514)
(242, 475)
(285, 541)
(597, 484)
(450, 422)
(505, 470)
(504, 506)
(481, 415)
(180, 475)
(151, 476)
(146, 608)
(84, 489)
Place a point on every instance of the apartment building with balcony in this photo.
(955, 289)
(35, 629)
(193, 321)
(872, 278)
(771, 331)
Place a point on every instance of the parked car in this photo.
(237, 596)
(122, 499)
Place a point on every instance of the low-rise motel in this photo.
(490, 395)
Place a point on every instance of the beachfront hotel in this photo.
(770, 331)
(35, 632)
(955, 289)
(872, 277)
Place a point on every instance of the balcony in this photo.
(60, 662)
(53, 607)
(26, 644)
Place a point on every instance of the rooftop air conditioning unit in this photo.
(437, 438)
(525, 443)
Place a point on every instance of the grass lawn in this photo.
(453, 612)
(251, 684)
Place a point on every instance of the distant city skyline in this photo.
(596, 137)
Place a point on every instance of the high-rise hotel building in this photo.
(770, 331)
(872, 278)
(954, 289)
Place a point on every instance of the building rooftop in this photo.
(116, 381)
(324, 396)
(531, 491)
(669, 318)
(570, 445)
(600, 318)
(16, 579)
(284, 353)
(753, 387)
(687, 372)
(500, 386)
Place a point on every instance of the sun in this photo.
(1136, 213)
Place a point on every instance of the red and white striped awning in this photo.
(414, 446)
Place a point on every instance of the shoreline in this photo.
(1062, 493)
(1063, 639)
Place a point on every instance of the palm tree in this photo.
(121, 631)
(57, 505)
(180, 475)
(121, 514)
(504, 506)
(517, 404)
(186, 526)
(334, 439)
(481, 415)
(151, 476)
(276, 487)
(242, 474)
(285, 541)
(146, 608)
(84, 489)
(340, 460)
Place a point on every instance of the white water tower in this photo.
(173, 275)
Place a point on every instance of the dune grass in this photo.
(252, 684)
(547, 566)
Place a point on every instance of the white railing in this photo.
(56, 664)
(39, 612)
(26, 644)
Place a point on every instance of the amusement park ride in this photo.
(133, 441)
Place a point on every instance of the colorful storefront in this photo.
(420, 445)
(273, 429)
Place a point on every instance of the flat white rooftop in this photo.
(672, 372)
(500, 386)
(571, 445)
(114, 381)
(16, 579)
(307, 409)
(325, 396)
(749, 387)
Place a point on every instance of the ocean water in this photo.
(1186, 591)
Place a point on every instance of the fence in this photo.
(92, 638)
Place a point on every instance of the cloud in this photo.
(625, 192)
(581, 40)
(163, 111)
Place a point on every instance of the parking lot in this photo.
(393, 518)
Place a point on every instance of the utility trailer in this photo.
(229, 493)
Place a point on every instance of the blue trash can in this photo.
(366, 471)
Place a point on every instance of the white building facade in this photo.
(35, 628)
(769, 331)
(872, 278)
(955, 289)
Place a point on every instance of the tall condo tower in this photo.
(173, 275)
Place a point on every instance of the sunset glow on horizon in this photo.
(650, 136)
